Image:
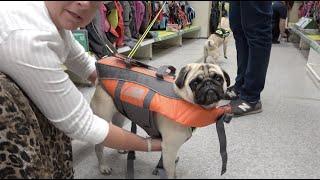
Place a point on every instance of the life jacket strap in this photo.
(131, 156)
(117, 100)
(142, 116)
(223, 140)
(162, 87)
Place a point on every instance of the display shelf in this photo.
(164, 37)
(123, 49)
(309, 39)
(190, 29)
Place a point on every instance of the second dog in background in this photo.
(216, 40)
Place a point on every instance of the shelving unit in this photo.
(163, 37)
(309, 39)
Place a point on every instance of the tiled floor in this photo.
(281, 142)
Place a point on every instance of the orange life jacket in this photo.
(140, 90)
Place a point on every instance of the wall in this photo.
(293, 13)
(202, 9)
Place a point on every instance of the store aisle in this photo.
(281, 142)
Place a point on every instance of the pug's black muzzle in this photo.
(208, 92)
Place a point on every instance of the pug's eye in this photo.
(200, 77)
(218, 78)
(196, 82)
(193, 84)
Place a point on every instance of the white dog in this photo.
(198, 83)
(214, 42)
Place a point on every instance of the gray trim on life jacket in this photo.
(147, 100)
(162, 87)
(143, 117)
(117, 100)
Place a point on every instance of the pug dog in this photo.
(198, 83)
(214, 42)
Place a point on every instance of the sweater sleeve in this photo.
(34, 64)
(78, 61)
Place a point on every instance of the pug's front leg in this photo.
(102, 106)
(169, 152)
(103, 164)
(173, 136)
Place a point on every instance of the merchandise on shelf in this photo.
(121, 23)
(310, 9)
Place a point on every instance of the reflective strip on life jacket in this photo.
(134, 92)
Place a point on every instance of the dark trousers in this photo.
(250, 22)
(275, 32)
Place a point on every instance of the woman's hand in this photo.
(93, 77)
(119, 138)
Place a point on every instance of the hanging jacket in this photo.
(97, 37)
(115, 18)
(146, 18)
(316, 14)
(133, 28)
(105, 25)
(161, 21)
(120, 27)
(190, 12)
(127, 18)
(139, 92)
(139, 13)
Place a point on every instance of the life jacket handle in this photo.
(160, 72)
(163, 70)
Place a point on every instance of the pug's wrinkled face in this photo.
(202, 83)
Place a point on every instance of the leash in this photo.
(133, 51)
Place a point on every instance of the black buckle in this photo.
(128, 61)
(162, 71)
(227, 117)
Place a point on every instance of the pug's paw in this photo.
(105, 169)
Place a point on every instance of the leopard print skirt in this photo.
(30, 146)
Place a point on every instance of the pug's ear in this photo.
(226, 76)
(182, 76)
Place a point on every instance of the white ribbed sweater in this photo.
(32, 52)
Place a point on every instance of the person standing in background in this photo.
(251, 23)
(279, 17)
